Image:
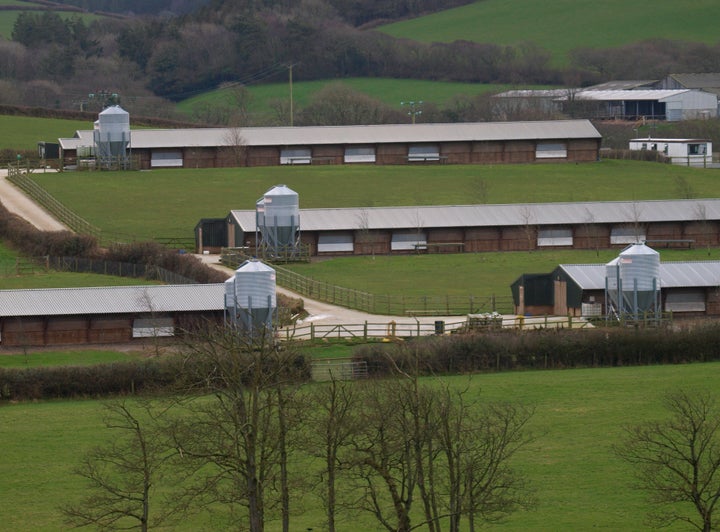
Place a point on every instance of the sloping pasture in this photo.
(562, 25)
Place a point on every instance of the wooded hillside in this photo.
(147, 62)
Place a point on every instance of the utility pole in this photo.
(290, 68)
(415, 109)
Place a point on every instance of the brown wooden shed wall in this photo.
(583, 150)
(372, 242)
(391, 154)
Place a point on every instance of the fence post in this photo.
(312, 331)
(365, 331)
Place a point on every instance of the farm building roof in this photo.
(698, 81)
(368, 134)
(690, 274)
(520, 214)
(112, 300)
(629, 95)
(621, 85)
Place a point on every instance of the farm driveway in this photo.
(18, 203)
(325, 313)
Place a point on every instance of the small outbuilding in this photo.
(687, 289)
(685, 152)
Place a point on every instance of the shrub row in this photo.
(28, 240)
(19, 384)
(544, 349)
(151, 376)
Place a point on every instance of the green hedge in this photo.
(544, 349)
(121, 378)
(162, 375)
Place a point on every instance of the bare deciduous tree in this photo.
(452, 456)
(234, 443)
(237, 145)
(678, 460)
(122, 475)
(331, 422)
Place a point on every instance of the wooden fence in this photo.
(394, 305)
(395, 329)
(19, 176)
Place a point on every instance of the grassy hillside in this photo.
(8, 17)
(561, 25)
(388, 91)
(168, 203)
(579, 414)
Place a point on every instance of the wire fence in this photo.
(394, 305)
(119, 269)
(34, 265)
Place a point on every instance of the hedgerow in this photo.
(544, 349)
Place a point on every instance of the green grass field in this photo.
(9, 279)
(580, 483)
(89, 357)
(168, 203)
(480, 274)
(562, 25)
(24, 132)
(386, 90)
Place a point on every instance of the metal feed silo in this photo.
(112, 137)
(278, 221)
(633, 282)
(250, 298)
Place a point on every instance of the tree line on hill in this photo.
(152, 61)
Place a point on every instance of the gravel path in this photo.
(18, 203)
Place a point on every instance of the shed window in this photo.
(551, 150)
(555, 237)
(153, 327)
(686, 300)
(627, 235)
(296, 156)
(359, 154)
(166, 158)
(423, 152)
(408, 240)
(697, 149)
(335, 243)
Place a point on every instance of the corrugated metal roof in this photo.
(621, 85)
(669, 141)
(520, 214)
(356, 135)
(112, 300)
(534, 93)
(689, 274)
(649, 94)
(698, 81)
